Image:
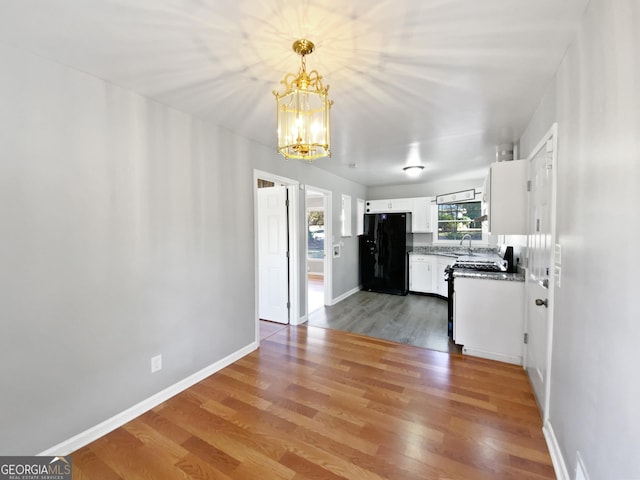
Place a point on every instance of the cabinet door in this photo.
(421, 215)
(400, 205)
(392, 205)
(376, 206)
(421, 273)
(489, 318)
(507, 198)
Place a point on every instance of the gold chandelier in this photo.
(303, 111)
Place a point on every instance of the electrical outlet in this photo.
(156, 363)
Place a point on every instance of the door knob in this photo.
(540, 302)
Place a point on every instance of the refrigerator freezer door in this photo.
(383, 253)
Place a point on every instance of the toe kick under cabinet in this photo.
(489, 318)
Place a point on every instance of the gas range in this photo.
(469, 262)
(481, 264)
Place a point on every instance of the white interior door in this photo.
(540, 249)
(273, 265)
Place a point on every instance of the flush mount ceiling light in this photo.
(414, 170)
(303, 111)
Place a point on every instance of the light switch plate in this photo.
(558, 254)
(558, 274)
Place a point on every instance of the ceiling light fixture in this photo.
(303, 111)
(413, 170)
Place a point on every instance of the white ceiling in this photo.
(434, 82)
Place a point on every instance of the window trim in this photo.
(474, 243)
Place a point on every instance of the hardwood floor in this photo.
(314, 403)
(315, 292)
(414, 319)
(268, 328)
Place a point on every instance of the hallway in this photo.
(315, 292)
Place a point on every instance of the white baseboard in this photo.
(559, 464)
(499, 357)
(84, 438)
(345, 295)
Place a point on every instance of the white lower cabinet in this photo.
(421, 268)
(426, 274)
(489, 318)
(442, 288)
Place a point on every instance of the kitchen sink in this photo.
(466, 253)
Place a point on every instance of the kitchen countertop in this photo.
(481, 253)
(510, 277)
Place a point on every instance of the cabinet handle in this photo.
(540, 302)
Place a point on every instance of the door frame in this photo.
(551, 135)
(293, 187)
(327, 203)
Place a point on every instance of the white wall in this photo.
(595, 389)
(315, 266)
(117, 245)
(126, 231)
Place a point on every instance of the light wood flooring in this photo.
(315, 403)
(268, 328)
(315, 292)
(419, 320)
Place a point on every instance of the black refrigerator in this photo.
(384, 252)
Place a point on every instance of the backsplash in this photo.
(519, 244)
(422, 239)
(450, 249)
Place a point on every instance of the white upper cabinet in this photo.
(421, 214)
(393, 205)
(420, 209)
(505, 197)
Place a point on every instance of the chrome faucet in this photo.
(467, 236)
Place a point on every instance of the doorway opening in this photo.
(318, 242)
(276, 225)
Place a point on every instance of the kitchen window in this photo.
(455, 220)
